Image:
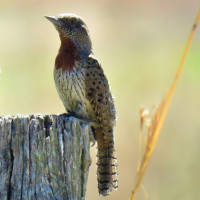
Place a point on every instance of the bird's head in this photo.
(72, 27)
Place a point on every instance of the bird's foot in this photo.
(92, 136)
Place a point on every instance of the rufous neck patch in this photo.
(67, 55)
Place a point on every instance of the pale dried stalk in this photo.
(158, 117)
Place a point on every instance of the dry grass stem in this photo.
(153, 120)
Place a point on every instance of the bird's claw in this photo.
(92, 137)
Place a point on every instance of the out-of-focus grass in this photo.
(139, 44)
(153, 120)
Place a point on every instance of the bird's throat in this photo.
(67, 55)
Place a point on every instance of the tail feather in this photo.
(107, 175)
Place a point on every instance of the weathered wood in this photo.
(43, 157)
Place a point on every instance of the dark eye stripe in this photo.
(73, 21)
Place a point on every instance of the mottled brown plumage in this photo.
(84, 91)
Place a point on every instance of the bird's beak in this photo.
(53, 19)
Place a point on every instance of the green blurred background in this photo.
(139, 44)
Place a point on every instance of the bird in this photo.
(85, 92)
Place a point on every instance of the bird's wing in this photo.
(98, 93)
(100, 98)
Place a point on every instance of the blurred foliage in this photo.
(139, 44)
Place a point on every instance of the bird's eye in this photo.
(72, 21)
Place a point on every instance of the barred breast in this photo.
(72, 91)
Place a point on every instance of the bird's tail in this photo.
(106, 162)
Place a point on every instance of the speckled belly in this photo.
(71, 89)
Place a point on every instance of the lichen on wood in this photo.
(43, 157)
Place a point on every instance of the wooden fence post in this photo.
(43, 157)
